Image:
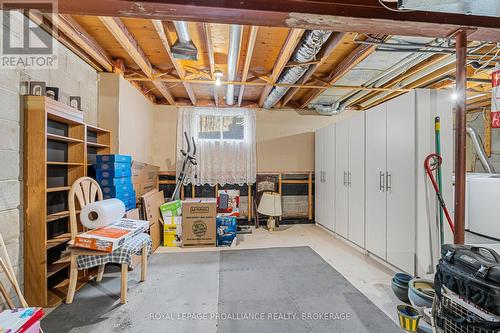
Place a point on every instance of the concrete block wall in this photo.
(73, 77)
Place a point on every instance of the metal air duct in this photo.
(477, 142)
(184, 48)
(232, 60)
(309, 46)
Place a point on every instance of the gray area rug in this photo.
(263, 290)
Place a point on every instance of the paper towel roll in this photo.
(102, 213)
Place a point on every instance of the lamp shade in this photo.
(270, 204)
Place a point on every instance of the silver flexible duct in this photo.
(232, 60)
(477, 142)
(309, 46)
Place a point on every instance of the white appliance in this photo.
(483, 212)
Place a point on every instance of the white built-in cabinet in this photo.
(370, 182)
(325, 182)
(390, 181)
(350, 179)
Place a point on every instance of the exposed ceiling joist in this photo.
(355, 57)
(248, 60)
(160, 30)
(291, 42)
(77, 33)
(45, 22)
(325, 52)
(116, 27)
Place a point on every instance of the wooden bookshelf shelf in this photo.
(59, 215)
(58, 240)
(53, 132)
(56, 267)
(58, 189)
(97, 145)
(62, 138)
(65, 163)
(56, 295)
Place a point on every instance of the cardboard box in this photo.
(113, 158)
(172, 208)
(111, 237)
(151, 202)
(198, 222)
(144, 177)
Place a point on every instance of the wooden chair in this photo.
(86, 190)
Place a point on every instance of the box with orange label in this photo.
(112, 236)
(198, 222)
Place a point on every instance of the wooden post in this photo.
(487, 133)
(460, 138)
(310, 197)
(182, 192)
(193, 191)
(280, 190)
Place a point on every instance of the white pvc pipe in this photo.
(232, 60)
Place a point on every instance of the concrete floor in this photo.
(367, 275)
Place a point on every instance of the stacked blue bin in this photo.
(114, 175)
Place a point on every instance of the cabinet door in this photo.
(329, 185)
(318, 176)
(356, 179)
(341, 169)
(401, 182)
(376, 210)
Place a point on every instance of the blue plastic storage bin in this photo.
(104, 182)
(101, 174)
(113, 158)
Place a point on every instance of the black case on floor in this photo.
(471, 272)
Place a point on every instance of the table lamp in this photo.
(270, 205)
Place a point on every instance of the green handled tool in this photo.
(437, 132)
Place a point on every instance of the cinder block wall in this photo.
(73, 77)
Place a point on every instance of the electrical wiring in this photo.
(395, 10)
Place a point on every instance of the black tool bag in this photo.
(471, 272)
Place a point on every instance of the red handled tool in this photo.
(432, 163)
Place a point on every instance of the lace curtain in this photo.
(225, 142)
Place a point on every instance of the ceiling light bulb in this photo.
(454, 96)
(218, 76)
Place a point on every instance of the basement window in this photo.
(214, 127)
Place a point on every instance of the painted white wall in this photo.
(73, 77)
(285, 139)
(129, 115)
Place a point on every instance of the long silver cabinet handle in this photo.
(381, 181)
(388, 182)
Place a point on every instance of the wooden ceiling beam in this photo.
(67, 24)
(335, 39)
(360, 53)
(116, 27)
(248, 60)
(367, 16)
(167, 44)
(291, 42)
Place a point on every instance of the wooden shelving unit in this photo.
(56, 153)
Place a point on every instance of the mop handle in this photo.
(428, 170)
